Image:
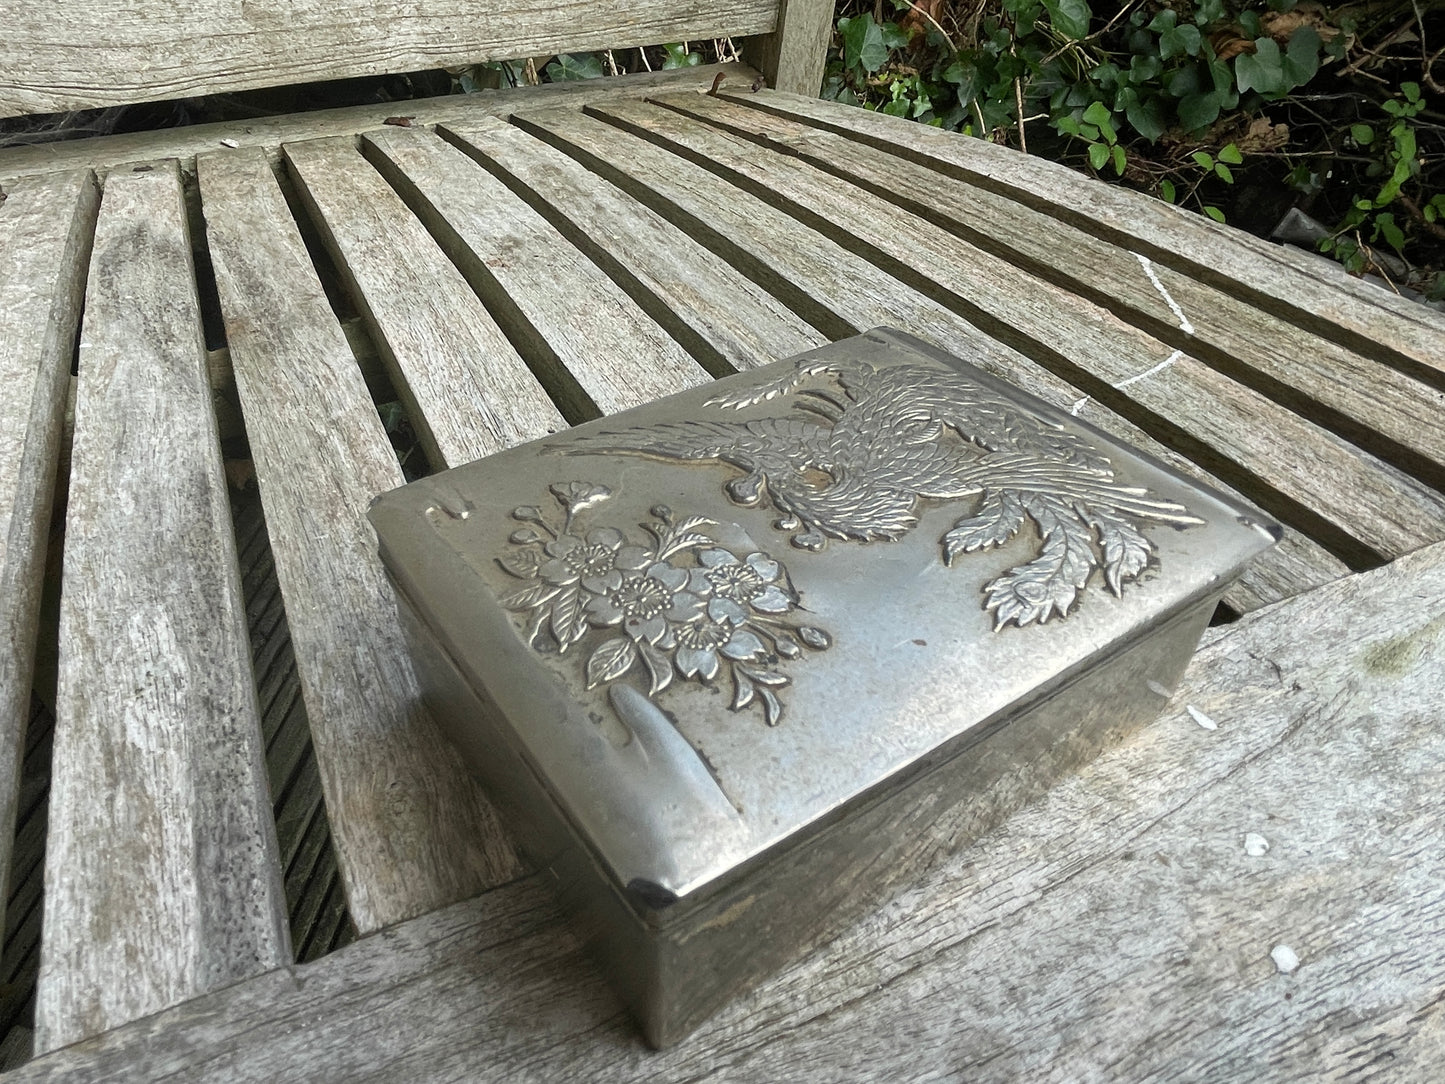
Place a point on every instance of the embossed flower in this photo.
(700, 642)
(601, 552)
(732, 584)
(575, 496)
(643, 603)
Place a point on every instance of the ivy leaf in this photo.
(1362, 134)
(1070, 18)
(1199, 110)
(863, 44)
(1224, 172)
(1098, 155)
(1232, 155)
(1262, 70)
(611, 660)
(1179, 41)
(567, 67)
(1214, 213)
(1166, 190)
(1147, 118)
(1120, 159)
(1302, 57)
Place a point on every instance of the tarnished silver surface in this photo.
(692, 646)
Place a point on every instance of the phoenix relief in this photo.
(863, 447)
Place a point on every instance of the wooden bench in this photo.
(514, 262)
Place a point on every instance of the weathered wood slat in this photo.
(1360, 508)
(846, 294)
(45, 233)
(161, 873)
(465, 387)
(591, 345)
(412, 831)
(793, 56)
(103, 152)
(109, 52)
(1373, 405)
(1115, 929)
(1326, 301)
(700, 299)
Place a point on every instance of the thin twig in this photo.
(1427, 62)
(951, 47)
(1433, 228)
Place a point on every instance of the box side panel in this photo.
(799, 897)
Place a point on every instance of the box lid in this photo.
(716, 620)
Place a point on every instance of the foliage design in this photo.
(865, 448)
(672, 604)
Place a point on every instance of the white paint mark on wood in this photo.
(1184, 324)
(1170, 360)
(1199, 717)
(1255, 845)
(1285, 958)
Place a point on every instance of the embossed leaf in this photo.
(742, 691)
(765, 677)
(1126, 550)
(534, 594)
(815, 638)
(569, 619)
(523, 564)
(659, 666)
(997, 519)
(611, 660)
(772, 706)
(1051, 582)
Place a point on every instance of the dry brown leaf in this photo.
(1229, 42)
(1263, 136)
(917, 18)
(1280, 25)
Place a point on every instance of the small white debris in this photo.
(1199, 717)
(1255, 845)
(1157, 689)
(1284, 958)
(232, 143)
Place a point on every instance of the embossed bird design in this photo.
(865, 445)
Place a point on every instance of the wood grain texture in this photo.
(464, 385)
(104, 152)
(793, 56)
(161, 880)
(844, 293)
(1114, 930)
(1275, 278)
(1373, 405)
(592, 346)
(113, 52)
(701, 300)
(45, 233)
(1358, 507)
(412, 831)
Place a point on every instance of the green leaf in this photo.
(1089, 132)
(1145, 69)
(1070, 18)
(1225, 173)
(1231, 155)
(1165, 20)
(1302, 58)
(1120, 161)
(898, 108)
(1166, 190)
(679, 57)
(1098, 154)
(1214, 213)
(1362, 134)
(1394, 236)
(1199, 110)
(863, 44)
(567, 67)
(1410, 90)
(1179, 41)
(1097, 113)
(1262, 70)
(1147, 118)
(1067, 125)
(1203, 159)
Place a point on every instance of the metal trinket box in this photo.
(736, 664)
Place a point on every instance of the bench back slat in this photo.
(162, 879)
(45, 231)
(412, 831)
(77, 55)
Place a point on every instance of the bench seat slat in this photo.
(467, 389)
(1136, 942)
(1395, 415)
(1362, 509)
(799, 263)
(45, 231)
(161, 870)
(412, 831)
(1314, 293)
(699, 298)
(591, 345)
